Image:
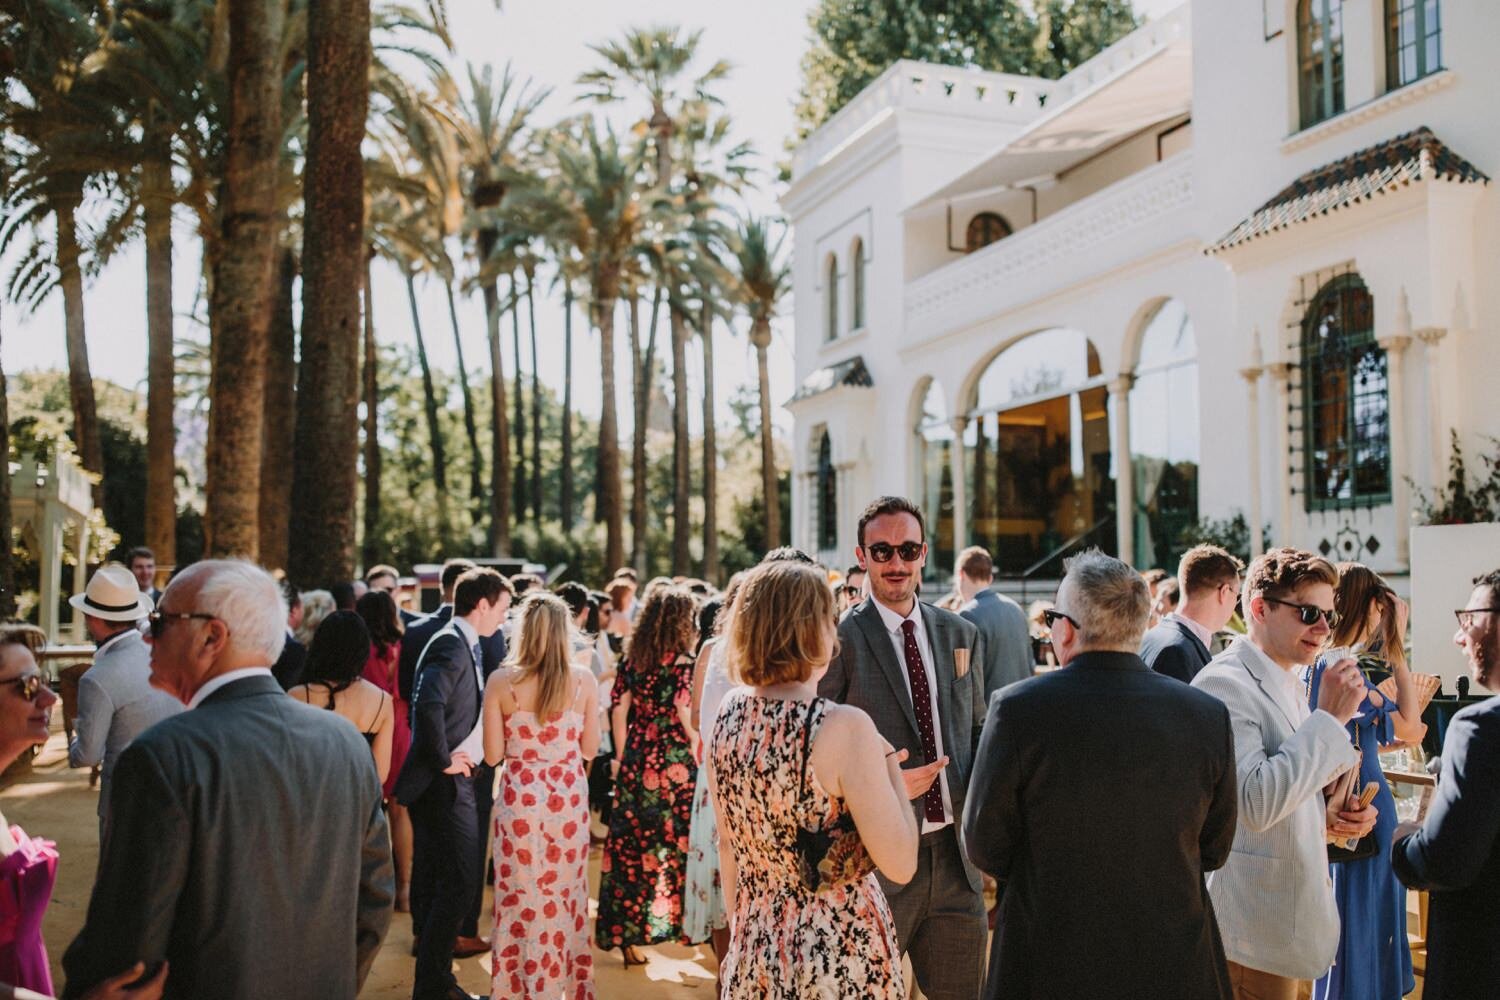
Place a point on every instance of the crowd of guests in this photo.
(1172, 783)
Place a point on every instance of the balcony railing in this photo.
(1108, 227)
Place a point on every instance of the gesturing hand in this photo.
(129, 985)
(919, 779)
(462, 764)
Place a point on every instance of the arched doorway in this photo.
(1038, 454)
(1164, 437)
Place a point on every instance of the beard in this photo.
(1486, 658)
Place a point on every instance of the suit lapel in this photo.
(879, 641)
(942, 667)
(1257, 669)
(1193, 638)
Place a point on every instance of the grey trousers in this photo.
(940, 921)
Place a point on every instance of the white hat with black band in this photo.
(113, 595)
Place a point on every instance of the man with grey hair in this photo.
(245, 848)
(1102, 793)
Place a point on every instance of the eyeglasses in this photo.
(160, 619)
(1051, 615)
(1309, 614)
(28, 686)
(1465, 616)
(881, 552)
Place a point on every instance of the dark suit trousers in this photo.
(940, 920)
(443, 827)
(484, 803)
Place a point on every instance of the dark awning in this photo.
(850, 372)
(1407, 159)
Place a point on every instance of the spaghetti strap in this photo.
(379, 711)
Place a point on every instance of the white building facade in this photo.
(1244, 262)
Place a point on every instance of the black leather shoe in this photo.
(456, 992)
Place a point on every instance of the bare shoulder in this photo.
(846, 726)
(584, 677)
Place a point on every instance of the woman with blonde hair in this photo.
(316, 605)
(541, 726)
(811, 801)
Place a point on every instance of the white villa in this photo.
(1247, 260)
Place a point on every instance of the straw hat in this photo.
(113, 595)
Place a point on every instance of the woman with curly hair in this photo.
(645, 857)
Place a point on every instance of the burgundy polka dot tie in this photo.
(921, 697)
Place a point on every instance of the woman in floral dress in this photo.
(781, 760)
(541, 725)
(641, 873)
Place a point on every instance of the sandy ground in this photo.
(55, 802)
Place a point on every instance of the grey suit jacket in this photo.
(1274, 896)
(245, 845)
(1007, 639)
(867, 674)
(116, 703)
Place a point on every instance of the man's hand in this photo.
(1350, 820)
(462, 764)
(120, 987)
(919, 779)
(1342, 690)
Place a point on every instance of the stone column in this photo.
(1395, 345)
(80, 573)
(1124, 470)
(50, 542)
(1251, 374)
(1281, 374)
(848, 519)
(1437, 424)
(957, 465)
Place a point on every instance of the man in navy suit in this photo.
(1455, 853)
(436, 782)
(1179, 646)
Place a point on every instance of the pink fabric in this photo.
(26, 878)
(380, 670)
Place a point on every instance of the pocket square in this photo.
(960, 663)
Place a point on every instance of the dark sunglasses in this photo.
(160, 619)
(1051, 615)
(881, 552)
(1309, 614)
(29, 686)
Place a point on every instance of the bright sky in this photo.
(548, 41)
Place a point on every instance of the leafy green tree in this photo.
(1071, 32)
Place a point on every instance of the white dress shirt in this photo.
(1204, 635)
(473, 744)
(892, 622)
(226, 678)
(1289, 693)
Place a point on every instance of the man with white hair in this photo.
(245, 846)
(1102, 793)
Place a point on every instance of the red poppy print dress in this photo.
(643, 870)
(541, 941)
(790, 943)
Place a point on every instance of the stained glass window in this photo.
(828, 496)
(1345, 400)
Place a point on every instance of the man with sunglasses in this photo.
(1455, 853)
(917, 672)
(1274, 896)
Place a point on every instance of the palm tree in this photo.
(370, 388)
(761, 279)
(652, 62)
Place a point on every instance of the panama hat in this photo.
(113, 595)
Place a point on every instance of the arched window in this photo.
(828, 496)
(1413, 41)
(831, 291)
(857, 267)
(984, 229)
(1164, 436)
(1344, 396)
(1320, 59)
(934, 470)
(1039, 467)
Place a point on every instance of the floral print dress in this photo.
(641, 874)
(541, 830)
(790, 942)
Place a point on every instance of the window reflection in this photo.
(934, 460)
(1164, 437)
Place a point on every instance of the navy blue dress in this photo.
(1374, 960)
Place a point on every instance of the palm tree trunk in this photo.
(370, 553)
(536, 412)
(430, 406)
(565, 499)
(7, 563)
(242, 287)
(681, 463)
(499, 526)
(279, 437)
(640, 396)
(333, 259)
(80, 379)
(710, 454)
(476, 465)
(520, 417)
(609, 440)
(161, 427)
(760, 336)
